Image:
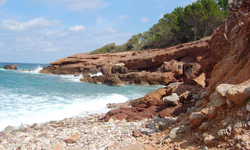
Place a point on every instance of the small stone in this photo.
(212, 113)
(9, 128)
(196, 119)
(172, 99)
(217, 100)
(150, 125)
(111, 120)
(204, 126)
(230, 104)
(199, 103)
(174, 133)
(136, 133)
(33, 126)
(208, 140)
(58, 147)
(71, 139)
(239, 113)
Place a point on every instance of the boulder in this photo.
(236, 93)
(87, 78)
(10, 67)
(155, 95)
(172, 66)
(119, 68)
(171, 100)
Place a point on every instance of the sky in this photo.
(42, 31)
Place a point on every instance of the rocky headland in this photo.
(204, 104)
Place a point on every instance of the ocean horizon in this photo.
(27, 97)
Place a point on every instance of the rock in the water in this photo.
(172, 99)
(10, 67)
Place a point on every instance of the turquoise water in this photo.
(28, 97)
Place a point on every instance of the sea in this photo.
(27, 97)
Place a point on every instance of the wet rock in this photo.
(171, 100)
(10, 67)
(196, 119)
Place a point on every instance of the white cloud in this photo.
(79, 5)
(78, 28)
(123, 17)
(2, 2)
(112, 30)
(37, 23)
(144, 19)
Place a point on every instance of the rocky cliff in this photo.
(220, 116)
(155, 66)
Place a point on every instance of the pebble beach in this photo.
(73, 133)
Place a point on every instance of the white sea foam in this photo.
(26, 109)
(71, 78)
(97, 74)
(33, 71)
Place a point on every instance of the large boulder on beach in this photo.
(10, 67)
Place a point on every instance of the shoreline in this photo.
(74, 133)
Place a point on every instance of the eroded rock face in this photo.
(10, 67)
(230, 45)
(183, 61)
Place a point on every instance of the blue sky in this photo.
(42, 31)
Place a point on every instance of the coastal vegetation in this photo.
(184, 24)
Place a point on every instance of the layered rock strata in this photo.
(149, 67)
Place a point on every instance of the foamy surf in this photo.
(29, 109)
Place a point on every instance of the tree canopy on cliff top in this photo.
(191, 23)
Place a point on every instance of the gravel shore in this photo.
(73, 133)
